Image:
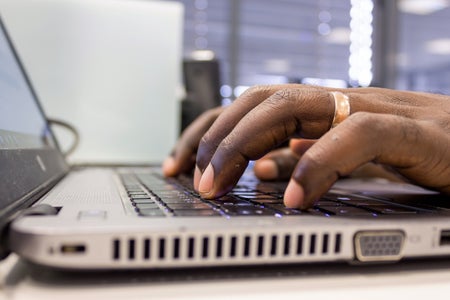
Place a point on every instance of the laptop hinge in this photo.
(38, 210)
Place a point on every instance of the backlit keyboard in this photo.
(153, 195)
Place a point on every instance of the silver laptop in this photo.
(133, 217)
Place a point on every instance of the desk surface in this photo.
(408, 280)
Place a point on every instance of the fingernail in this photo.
(294, 195)
(168, 166)
(266, 169)
(207, 180)
(197, 176)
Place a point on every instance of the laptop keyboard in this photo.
(153, 195)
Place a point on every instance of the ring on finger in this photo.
(341, 108)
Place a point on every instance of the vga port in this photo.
(382, 246)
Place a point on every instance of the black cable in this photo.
(72, 129)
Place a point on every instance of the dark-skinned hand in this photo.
(405, 132)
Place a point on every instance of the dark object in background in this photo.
(202, 84)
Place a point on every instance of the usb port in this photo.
(445, 238)
(73, 249)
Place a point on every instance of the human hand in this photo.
(182, 158)
(407, 131)
(276, 165)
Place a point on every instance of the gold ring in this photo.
(341, 108)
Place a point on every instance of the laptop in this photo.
(98, 218)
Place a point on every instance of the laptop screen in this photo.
(29, 156)
(21, 123)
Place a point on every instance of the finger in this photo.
(300, 146)
(276, 165)
(409, 104)
(234, 139)
(370, 170)
(182, 158)
(373, 170)
(237, 111)
(406, 145)
(231, 117)
(303, 112)
(369, 99)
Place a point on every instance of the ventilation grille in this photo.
(251, 247)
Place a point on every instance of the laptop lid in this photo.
(29, 156)
(111, 69)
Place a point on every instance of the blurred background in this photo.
(147, 67)
(403, 44)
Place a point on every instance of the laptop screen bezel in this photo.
(25, 173)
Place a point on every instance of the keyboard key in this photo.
(249, 211)
(326, 202)
(364, 202)
(147, 206)
(231, 201)
(142, 201)
(347, 210)
(144, 196)
(268, 201)
(196, 213)
(280, 208)
(317, 212)
(177, 200)
(151, 213)
(131, 194)
(179, 206)
(390, 210)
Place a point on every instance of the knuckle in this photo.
(290, 100)
(363, 119)
(229, 142)
(256, 89)
(205, 141)
(310, 99)
(286, 95)
(369, 124)
(411, 132)
(441, 120)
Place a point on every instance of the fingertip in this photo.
(169, 167)
(294, 195)
(266, 169)
(300, 146)
(197, 177)
(293, 143)
(206, 181)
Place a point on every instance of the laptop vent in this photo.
(251, 247)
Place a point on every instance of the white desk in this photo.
(410, 280)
